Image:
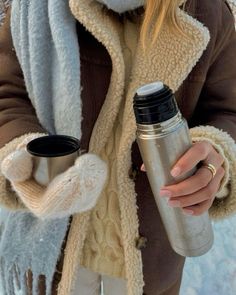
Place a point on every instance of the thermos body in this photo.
(188, 235)
(161, 144)
(46, 169)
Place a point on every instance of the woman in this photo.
(59, 56)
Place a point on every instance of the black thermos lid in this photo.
(154, 103)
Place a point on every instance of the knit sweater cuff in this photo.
(225, 201)
(8, 197)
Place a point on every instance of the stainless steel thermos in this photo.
(163, 137)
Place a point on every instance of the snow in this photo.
(215, 272)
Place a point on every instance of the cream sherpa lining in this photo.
(177, 67)
(106, 33)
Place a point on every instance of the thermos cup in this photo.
(52, 155)
(163, 137)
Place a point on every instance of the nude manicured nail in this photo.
(165, 193)
(188, 212)
(174, 203)
(143, 168)
(176, 172)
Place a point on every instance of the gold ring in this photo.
(212, 168)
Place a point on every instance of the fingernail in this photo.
(143, 168)
(174, 203)
(175, 172)
(188, 212)
(165, 193)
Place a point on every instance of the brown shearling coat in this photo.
(207, 97)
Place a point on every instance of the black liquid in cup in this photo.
(53, 146)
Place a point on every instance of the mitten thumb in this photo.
(17, 167)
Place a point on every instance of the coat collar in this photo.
(170, 60)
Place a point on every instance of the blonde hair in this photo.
(158, 12)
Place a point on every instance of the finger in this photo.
(190, 185)
(215, 158)
(202, 195)
(197, 153)
(199, 209)
(142, 168)
(194, 183)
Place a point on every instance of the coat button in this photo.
(133, 172)
(141, 243)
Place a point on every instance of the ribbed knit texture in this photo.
(76, 190)
(159, 62)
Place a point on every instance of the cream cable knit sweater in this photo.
(145, 68)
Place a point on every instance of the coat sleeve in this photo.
(215, 114)
(17, 115)
(217, 103)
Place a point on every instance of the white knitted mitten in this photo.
(76, 190)
(18, 165)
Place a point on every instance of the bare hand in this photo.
(195, 194)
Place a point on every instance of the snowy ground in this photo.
(215, 272)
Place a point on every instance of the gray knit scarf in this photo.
(45, 39)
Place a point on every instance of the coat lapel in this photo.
(96, 21)
(170, 60)
(89, 13)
